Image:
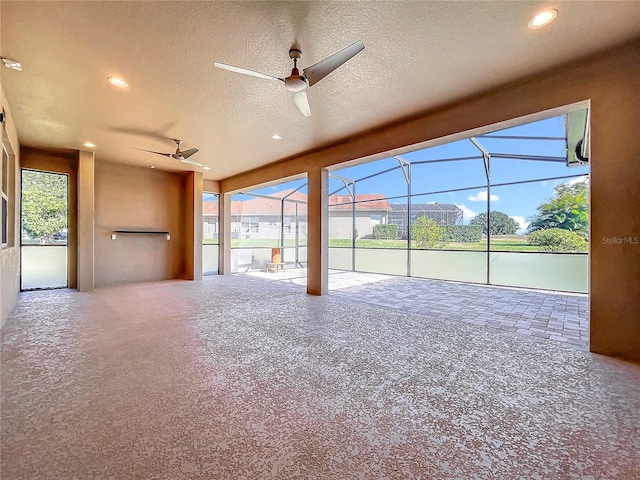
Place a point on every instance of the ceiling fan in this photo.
(182, 156)
(298, 83)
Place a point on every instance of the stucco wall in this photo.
(10, 255)
(609, 82)
(137, 198)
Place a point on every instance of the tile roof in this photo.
(373, 201)
(266, 206)
(426, 207)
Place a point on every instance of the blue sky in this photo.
(517, 201)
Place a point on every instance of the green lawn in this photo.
(509, 243)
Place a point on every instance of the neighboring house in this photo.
(441, 213)
(371, 209)
(210, 224)
(259, 217)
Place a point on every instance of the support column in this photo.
(193, 214)
(224, 235)
(318, 233)
(86, 215)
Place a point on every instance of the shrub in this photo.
(559, 240)
(464, 233)
(385, 231)
(428, 234)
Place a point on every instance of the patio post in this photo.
(224, 235)
(317, 241)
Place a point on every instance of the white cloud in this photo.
(482, 197)
(544, 184)
(522, 223)
(573, 181)
(467, 213)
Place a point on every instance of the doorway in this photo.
(44, 224)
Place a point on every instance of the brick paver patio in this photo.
(557, 316)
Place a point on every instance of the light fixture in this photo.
(276, 137)
(117, 82)
(89, 145)
(12, 64)
(543, 18)
(152, 166)
(206, 168)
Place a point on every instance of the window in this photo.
(287, 225)
(250, 224)
(5, 223)
(210, 218)
(213, 221)
(5, 198)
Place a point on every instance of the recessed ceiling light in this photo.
(152, 166)
(12, 64)
(543, 18)
(89, 144)
(206, 168)
(117, 82)
(276, 137)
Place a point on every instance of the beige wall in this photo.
(137, 198)
(86, 224)
(610, 82)
(10, 256)
(211, 186)
(125, 198)
(193, 226)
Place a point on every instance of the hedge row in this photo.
(464, 233)
(559, 240)
(385, 231)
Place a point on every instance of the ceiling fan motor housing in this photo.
(295, 83)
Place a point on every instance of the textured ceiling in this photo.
(418, 55)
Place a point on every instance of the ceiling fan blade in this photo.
(191, 162)
(318, 71)
(302, 102)
(246, 71)
(151, 151)
(188, 153)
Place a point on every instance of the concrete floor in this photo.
(547, 315)
(235, 377)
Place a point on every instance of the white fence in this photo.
(44, 266)
(567, 272)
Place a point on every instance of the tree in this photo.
(428, 234)
(567, 210)
(501, 223)
(44, 204)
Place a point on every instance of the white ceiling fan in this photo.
(182, 156)
(298, 83)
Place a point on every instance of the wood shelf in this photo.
(143, 232)
(115, 233)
